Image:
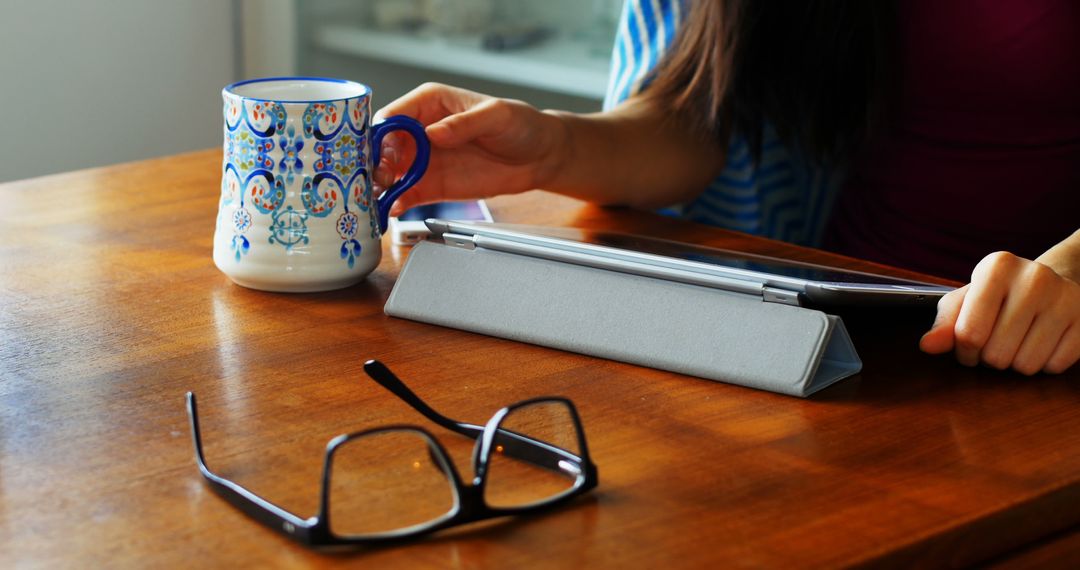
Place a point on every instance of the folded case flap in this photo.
(705, 332)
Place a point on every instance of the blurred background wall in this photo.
(105, 81)
(98, 82)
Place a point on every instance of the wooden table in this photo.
(112, 309)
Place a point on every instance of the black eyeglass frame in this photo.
(469, 506)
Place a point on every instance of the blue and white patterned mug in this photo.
(296, 211)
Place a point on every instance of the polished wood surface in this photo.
(112, 309)
(1059, 551)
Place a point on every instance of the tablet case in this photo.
(729, 337)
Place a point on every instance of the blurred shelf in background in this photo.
(553, 54)
(554, 63)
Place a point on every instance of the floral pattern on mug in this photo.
(264, 118)
(320, 194)
(347, 225)
(323, 121)
(289, 228)
(290, 164)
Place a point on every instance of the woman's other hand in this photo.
(1015, 313)
(481, 146)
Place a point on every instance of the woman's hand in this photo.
(1015, 313)
(481, 146)
(635, 155)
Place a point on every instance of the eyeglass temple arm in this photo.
(381, 374)
(253, 505)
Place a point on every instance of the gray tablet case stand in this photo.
(729, 337)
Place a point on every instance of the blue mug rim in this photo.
(365, 90)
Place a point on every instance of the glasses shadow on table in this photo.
(481, 533)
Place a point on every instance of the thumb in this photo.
(939, 339)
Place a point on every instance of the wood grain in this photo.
(1059, 551)
(112, 310)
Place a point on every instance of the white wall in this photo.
(104, 81)
(269, 32)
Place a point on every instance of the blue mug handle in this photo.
(419, 165)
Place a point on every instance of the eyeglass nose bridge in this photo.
(471, 507)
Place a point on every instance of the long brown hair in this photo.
(817, 70)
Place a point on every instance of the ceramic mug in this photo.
(296, 211)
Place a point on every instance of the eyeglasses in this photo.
(398, 482)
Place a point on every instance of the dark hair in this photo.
(817, 70)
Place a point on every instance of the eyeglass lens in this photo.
(518, 476)
(387, 481)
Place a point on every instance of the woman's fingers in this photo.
(488, 118)
(939, 339)
(480, 145)
(1015, 313)
(453, 117)
(1050, 345)
(1067, 352)
(989, 283)
(1039, 343)
(1024, 312)
(431, 102)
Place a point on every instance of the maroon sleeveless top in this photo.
(983, 150)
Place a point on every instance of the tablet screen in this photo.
(739, 260)
(707, 255)
(465, 211)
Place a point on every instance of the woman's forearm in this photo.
(634, 155)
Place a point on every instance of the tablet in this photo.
(776, 279)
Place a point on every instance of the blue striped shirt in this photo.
(784, 196)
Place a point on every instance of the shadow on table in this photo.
(896, 371)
